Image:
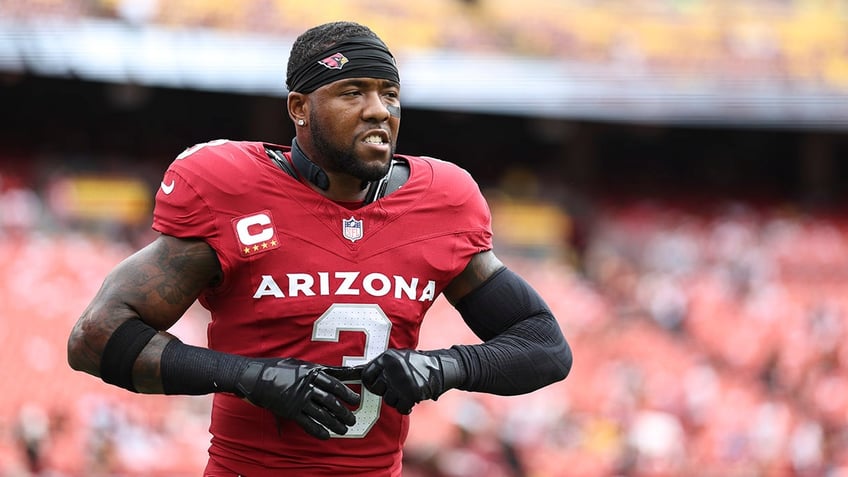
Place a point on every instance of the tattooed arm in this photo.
(156, 285)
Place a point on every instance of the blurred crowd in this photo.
(708, 341)
(796, 42)
(721, 349)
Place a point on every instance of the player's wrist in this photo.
(452, 369)
(246, 382)
(193, 370)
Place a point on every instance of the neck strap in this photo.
(308, 169)
(397, 175)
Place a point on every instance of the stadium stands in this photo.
(798, 41)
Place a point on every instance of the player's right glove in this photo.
(305, 392)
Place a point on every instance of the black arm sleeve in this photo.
(524, 348)
(193, 370)
(184, 369)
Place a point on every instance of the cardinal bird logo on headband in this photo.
(334, 61)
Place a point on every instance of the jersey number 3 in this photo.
(362, 318)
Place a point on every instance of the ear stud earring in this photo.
(301, 122)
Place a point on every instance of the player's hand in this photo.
(305, 392)
(406, 377)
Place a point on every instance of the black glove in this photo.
(405, 377)
(304, 392)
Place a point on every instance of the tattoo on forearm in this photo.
(157, 284)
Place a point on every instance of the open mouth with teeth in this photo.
(373, 139)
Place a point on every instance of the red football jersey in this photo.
(305, 277)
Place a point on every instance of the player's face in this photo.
(354, 125)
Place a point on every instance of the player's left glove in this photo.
(405, 377)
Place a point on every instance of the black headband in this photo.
(361, 57)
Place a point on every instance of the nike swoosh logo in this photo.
(168, 188)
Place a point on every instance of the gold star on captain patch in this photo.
(255, 248)
(273, 243)
(264, 244)
(246, 250)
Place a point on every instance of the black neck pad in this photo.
(308, 169)
(397, 175)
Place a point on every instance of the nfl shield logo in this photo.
(352, 229)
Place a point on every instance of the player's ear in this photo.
(297, 107)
